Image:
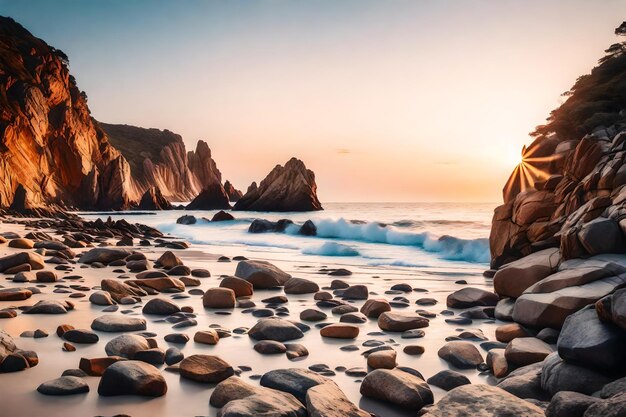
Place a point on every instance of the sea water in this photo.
(420, 235)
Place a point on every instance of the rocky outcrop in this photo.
(233, 194)
(158, 158)
(288, 188)
(212, 197)
(51, 146)
(154, 200)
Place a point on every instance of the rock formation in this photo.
(212, 197)
(233, 194)
(154, 200)
(558, 243)
(288, 188)
(51, 146)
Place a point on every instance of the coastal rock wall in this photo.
(50, 145)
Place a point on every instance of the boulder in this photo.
(514, 278)
(612, 407)
(382, 359)
(241, 287)
(496, 361)
(65, 385)
(471, 297)
(399, 322)
(261, 274)
(397, 387)
(207, 337)
(275, 329)
(602, 235)
(293, 381)
(300, 286)
(448, 379)
(557, 375)
(50, 307)
(118, 323)
(612, 308)
(264, 405)
(187, 219)
(569, 404)
(373, 308)
(126, 345)
(168, 260)
(15, 294)
(340, 331)
(328, 400)
(96, 366)
(482, 400)
(101, 298)
(205, 368)
(222, 216)
(103, 255)
(219, 298)
(132, 378)
(525, 382)
(120, 290)
(160, 307)
(524, 351)
(356, 292)
(461, 354)
(212, 197)
(586, 341)
(34, 260)
(153, 199)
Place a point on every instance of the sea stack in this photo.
(233, 194)
(212, 197)
(286, 188)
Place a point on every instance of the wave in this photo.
(448, 247)
(331, 249)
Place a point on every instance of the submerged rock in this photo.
(132, 378)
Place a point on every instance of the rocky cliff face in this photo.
(288, 188)
(50, 145)
(233, 194)
(158, 158)
(569, 190)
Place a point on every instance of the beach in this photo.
(435, 281)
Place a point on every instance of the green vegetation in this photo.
(596, 99)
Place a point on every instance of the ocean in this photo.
(423, 235)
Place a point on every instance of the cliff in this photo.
(50, 145)
(568, 192)
(288, 188)
(158, 158)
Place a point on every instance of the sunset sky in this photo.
(384, 100)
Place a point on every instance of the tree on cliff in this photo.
(596, 99)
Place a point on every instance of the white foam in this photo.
(331, 249)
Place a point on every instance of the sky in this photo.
(384, 100)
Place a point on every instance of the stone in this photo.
(21, 243)
(96, 366)
(504, 309)
(496, 361)
(275, 329)
(612, 407)
(461, 354)
(50, 307)
(296, 350)
(398, 322)
(241, 287)
(168, 260)
(65, 385)
(601, 235)
(46, 276)
(200, 273)
(160, 307)
(340, 331)
(153, 199)
(311, 314)
(292, 381)
(260, 405)
(557, 375)
(15, 294)
(101, 298)
(186, 219)
(300, 286)
(218, 298)
(328, 400)
(508, 332)
(81, 336)
(414, 349)
(471, 297)
(206, 337)
(356, 292)
(373, 308)
(514, 278)
(205, 368)
(154, 356)
(120, 290)
(269, 347)
(126, 345)
(586, 341)
(448, 379)
(612, 308)
(397, 387)
(103, 255)
(118, 323)
(385, 359)
(569, 404)
(132, 378)
(482, 400)
(261, 274)
(357, 318)
(524, 351)
(525, 382)
(173, 355)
